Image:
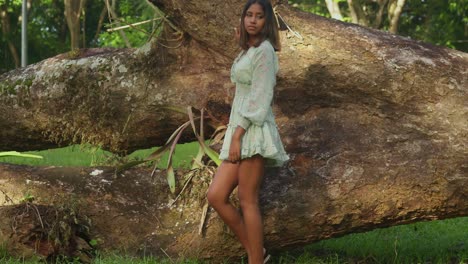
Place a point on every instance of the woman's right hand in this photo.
(235, 150)
(235, 147)
(236, 33)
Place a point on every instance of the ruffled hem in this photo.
(263, 140)
(277, 160)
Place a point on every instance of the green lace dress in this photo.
(254, 73)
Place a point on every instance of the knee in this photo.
(247, 201)
(214, 199)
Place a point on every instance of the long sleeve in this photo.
(258, 102)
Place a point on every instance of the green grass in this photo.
(444, 241)
(85, 155)
(75, 155)
(183, 157)
(117, 259)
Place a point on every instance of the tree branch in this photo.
(395, 8)
(334, 9)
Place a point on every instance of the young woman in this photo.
(252, 140)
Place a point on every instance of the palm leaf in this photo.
(170, 169)
(209, 151)
(171, 177)
(197, 162)
(218, 138)
(17, 154)
(157, 153)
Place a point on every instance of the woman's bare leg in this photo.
(251, 172)
(224, 182)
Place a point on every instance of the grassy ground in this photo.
(85, 155)
(443, 241)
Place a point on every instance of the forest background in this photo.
(54, 29)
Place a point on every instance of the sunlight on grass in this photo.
(442, 241)
(75, 155)
(184, 155)
(86, 155)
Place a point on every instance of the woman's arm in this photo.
(258, 103)
(235, 147)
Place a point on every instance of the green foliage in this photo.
(17, 154)
(442, 23)
(117, 258)
(93, 242)
(435, 242)
(171, 144)
(46, 27)
(11, 4)
(27, 198)
(13, 10)
(47, 31)
(129, 12)
(76, 155)
(439, 22)
(86, 155)
(317, 7)
(48, 34)
(434, 21)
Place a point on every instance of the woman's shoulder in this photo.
(265, 48)
(266, 45)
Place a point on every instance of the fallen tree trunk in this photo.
(375, 125)
(131, 212)
(117, 98)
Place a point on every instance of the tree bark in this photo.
(73, 9)
(131, 212)
(334, 9)
(375, 125)
(378, 17)
(358, 16)
(394, 12)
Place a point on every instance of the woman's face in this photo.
(254, 20)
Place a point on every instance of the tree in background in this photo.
(73, 11)
(10, 11)
(380, 14)
(47, 31)
(124, 13)
(442, 23)
(49, 35)
(438, 22)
